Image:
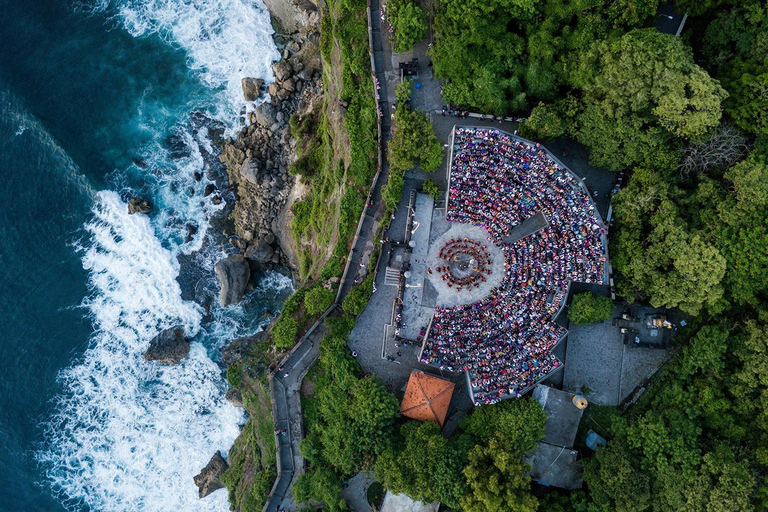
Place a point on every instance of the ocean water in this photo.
(100, 101)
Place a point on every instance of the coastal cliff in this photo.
(259, 158)
(301, 170)
(303, 166)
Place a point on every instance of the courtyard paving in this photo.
(450, 296)
(603, 368)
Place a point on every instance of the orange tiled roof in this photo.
(427, 397)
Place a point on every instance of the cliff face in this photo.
(258, 159)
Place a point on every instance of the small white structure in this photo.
(403, 503)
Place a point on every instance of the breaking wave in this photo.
(127, 434)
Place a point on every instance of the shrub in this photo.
(318, 299)
(403, 92)
(355, 302)
(352, 204)
(284, 332)
(409, 22)
(587, 308)
(306, 165)
(302, 212)
(432, 188)
(414, 138)
(302, 124)
(235, 375)
(393, 189)
(333, 268)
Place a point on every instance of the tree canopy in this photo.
(478, 469)
(409, 23)
(587, 308)
(695, 441)
(639, 92)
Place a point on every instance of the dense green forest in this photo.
(687, 119)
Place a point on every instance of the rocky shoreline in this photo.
(258, 159)
(257, 163)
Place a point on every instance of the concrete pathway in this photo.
(364, 242)
(285, 383)
(284, 386)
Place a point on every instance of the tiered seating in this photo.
(504, 341)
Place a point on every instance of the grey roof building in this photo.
(554, 461)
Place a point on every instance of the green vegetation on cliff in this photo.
(338, 147)
(350, 419)
(252, 465)
(336, 161)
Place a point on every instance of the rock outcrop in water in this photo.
(168, 347)
(208, 479)
(252, 88)
(138, 205)
(258, 160)
(234, 274)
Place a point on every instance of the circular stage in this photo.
(463, 265)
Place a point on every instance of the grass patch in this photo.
(252, 463)
(338, 149)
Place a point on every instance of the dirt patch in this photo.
(307, 388)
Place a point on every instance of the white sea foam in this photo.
(224, 40)
(128, 434)
(172, 189)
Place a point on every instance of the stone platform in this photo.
(449, 296)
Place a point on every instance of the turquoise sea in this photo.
(100, 101)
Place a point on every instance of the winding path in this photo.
(285, 382)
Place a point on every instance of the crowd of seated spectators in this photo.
(504, 342)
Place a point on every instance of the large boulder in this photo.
(260, 252)
(264, 114)
(209, 478)
(250, 171)
(293, 16)
(282, 70)
(251, 88)
(232, 156)
(234, 273)
(168, 347)
(138, 205)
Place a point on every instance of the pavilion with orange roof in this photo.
(427, 397)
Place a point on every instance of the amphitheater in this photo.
(516, 229)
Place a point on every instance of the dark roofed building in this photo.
(563, 416)
(555, 466)
(554, 461)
